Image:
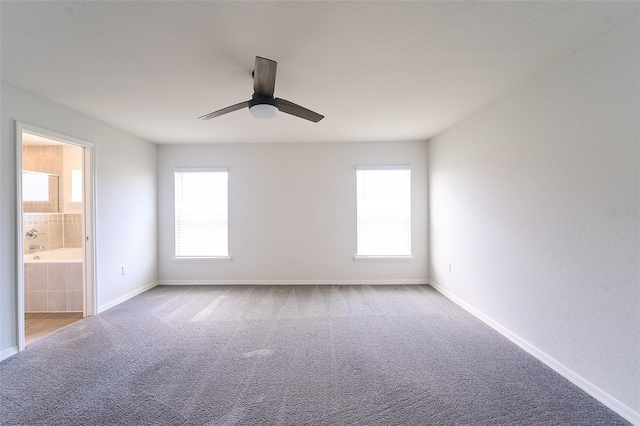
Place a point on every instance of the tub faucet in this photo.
(35, 246)
(33, 233)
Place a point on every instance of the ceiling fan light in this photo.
(264, 111)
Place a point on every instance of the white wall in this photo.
(521, 196)
(292, 199)
(126, 202)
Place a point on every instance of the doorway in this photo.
(55, 223)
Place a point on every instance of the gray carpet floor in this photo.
(284, 355)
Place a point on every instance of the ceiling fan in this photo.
(262, 103)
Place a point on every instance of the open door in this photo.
(55, 188)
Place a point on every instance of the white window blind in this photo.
(201, 205)
(384, 211)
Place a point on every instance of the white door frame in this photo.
(89, 222)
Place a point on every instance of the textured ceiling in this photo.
(378, 71)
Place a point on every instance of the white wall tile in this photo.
(74, 276)
(37, 301)
(37, 276)
(56, 276)
(74, 301)
(56, 301)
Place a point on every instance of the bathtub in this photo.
(55, 256)
(54, 281)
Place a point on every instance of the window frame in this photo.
(198, 259)
(387, 258)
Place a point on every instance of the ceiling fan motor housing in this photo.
(261, 100)
(263, 106)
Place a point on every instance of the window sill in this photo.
(217, 259)
(383, 259)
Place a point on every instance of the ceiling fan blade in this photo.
(293, 109)
(264, 76)
(223, 111)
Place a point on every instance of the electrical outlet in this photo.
(449, 267)
(124, 269)
(294, 259)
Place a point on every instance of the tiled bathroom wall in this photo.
(53, 287)
(43, 159)
(72, 230)
(55, 230)
(50, 227)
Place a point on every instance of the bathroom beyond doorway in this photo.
(55, 204)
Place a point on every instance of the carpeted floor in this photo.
(306, 355)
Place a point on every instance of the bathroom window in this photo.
(76, 185)
(383, 212)
(201, 209)
(35, 186)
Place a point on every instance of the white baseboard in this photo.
(127, 296)
(296, 282)
(609, 401)
(8, 353)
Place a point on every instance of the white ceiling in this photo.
(378, 71)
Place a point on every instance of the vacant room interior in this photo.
(506, 288)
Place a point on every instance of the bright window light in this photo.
(383, 211)
(201, 207)
(35, 186)
(76, 185)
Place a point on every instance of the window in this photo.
(201, 213)
(383, 211)
(35, 186)
(76, 185)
